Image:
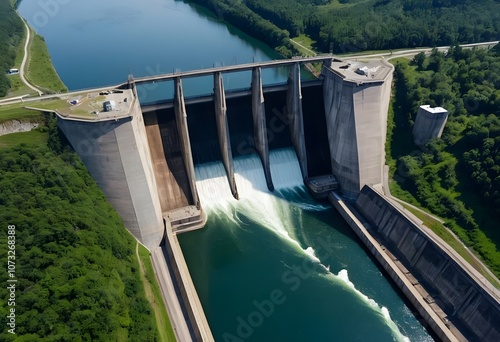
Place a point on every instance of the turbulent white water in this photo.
(343, 276)
(272, 211)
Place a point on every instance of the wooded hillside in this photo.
(344, 26)
(457, 176)
(11, 33)
(77, 273)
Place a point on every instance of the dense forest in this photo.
(457, 176)
(238, 14)
(11, 33)
(343, 26)
(77, 274)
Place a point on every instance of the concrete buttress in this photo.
(182, 128)
(259, 125)
(223, 131)
(295, 117)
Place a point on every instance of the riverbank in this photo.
(39, 70)
(37, 74)
(239, 15)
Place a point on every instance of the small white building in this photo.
(429, 124)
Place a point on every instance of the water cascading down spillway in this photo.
(263, 246)
(278, 246)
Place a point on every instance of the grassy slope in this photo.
(155, 297)
(18, 88)
(446, 235)
(40, 71)
(35, 137)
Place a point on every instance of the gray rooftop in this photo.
(360, 72)
(90, 105)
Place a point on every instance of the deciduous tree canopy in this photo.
(11, 32)
(458, 176)
(77, 275)
(356, 25)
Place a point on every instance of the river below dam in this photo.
(269, 267)
(282, 267)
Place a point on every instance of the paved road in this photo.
(21, 69)
(404, 53)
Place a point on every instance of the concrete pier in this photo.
(223, 131)
(295, 117)
(259, 125)
(182, 128)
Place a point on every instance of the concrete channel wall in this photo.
(449, 298)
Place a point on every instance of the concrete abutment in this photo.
(296, 117)
(259, 125)
(223, 131)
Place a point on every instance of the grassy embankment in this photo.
(399, 131)
(39, 70)
(154, 296)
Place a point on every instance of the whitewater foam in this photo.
(382, 310)
(272, 211)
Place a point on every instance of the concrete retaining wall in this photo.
(466, 303)
(223, 131)
(296, 117)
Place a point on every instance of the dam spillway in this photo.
(182, 159)
(243, 258)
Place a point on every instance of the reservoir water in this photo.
(97, 43)
(271, 266)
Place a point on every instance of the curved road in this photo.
(25, 58)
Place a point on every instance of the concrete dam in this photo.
(143, 157)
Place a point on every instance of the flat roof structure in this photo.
(434, 110)
(89, 106)
(360, 72)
